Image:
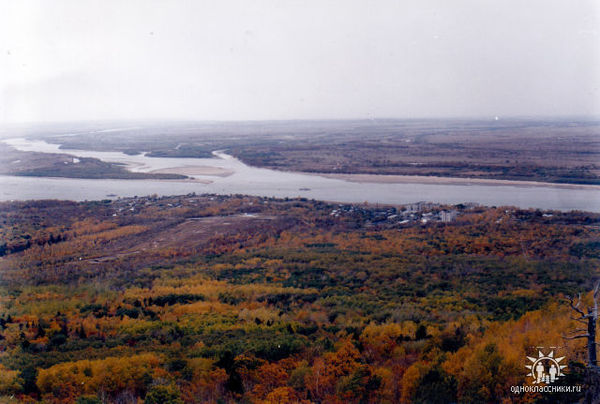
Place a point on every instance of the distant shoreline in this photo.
(132, 165)
(424, 179)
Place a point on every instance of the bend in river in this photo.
(225, 174)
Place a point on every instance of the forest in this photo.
(239, 299)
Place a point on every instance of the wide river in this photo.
(224, 174)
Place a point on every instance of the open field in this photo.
(214, 299)
(515, 150)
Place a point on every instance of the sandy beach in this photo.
(423, 179)
(195, 170)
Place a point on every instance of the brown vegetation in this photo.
(207, 299)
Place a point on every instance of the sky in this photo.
(268, 60)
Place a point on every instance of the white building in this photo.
(447, 217)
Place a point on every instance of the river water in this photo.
(265, 182)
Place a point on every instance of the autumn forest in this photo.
(238, 299)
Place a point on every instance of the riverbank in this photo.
(224, 174)
(424, 179)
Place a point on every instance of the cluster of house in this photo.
(123, 205)
(420, 212)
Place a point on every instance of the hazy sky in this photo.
(221, 60)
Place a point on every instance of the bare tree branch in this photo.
(576, 306)
(576, 336)
(578, 330)
(590, 319)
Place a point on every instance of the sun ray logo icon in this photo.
(545, 368)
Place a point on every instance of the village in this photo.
(370, 215)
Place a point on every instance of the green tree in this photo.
(163, 394)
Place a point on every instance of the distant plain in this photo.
(556, 151)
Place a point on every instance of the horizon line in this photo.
(493, 118)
